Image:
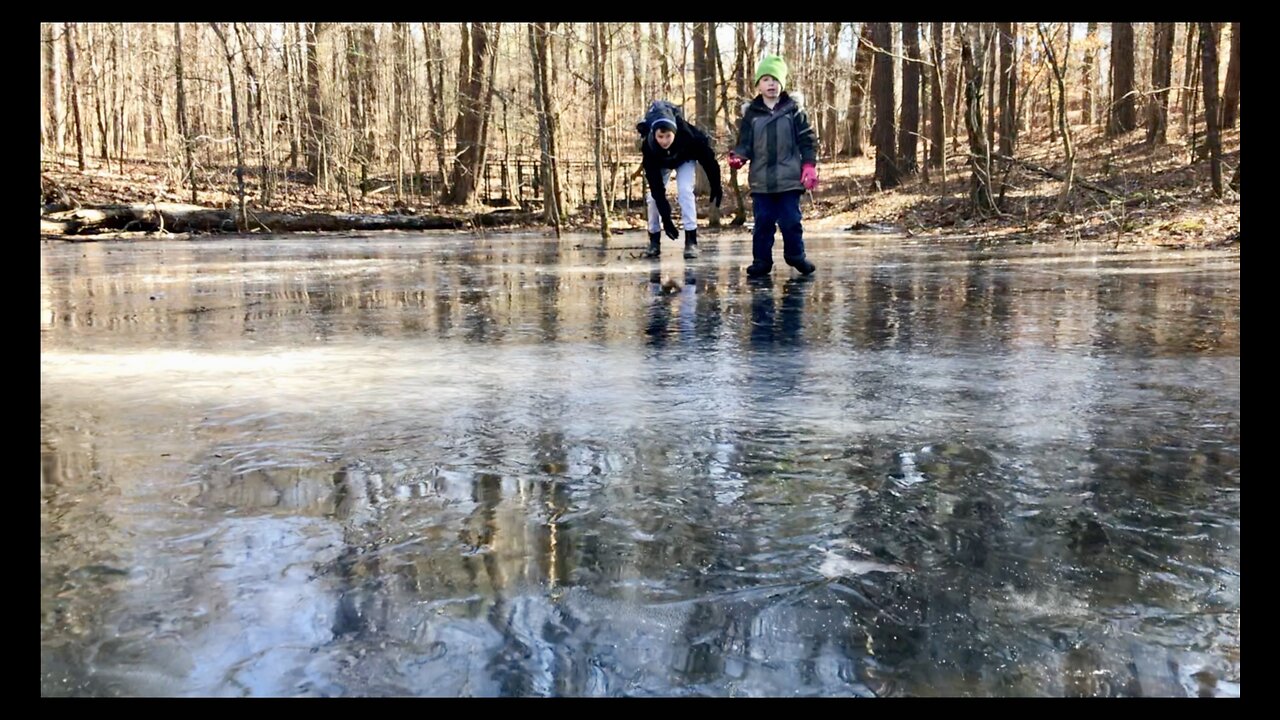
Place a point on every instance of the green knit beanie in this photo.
(772, 65)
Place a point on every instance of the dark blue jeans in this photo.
(780, 210)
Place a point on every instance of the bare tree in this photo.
(1123, 116)
(972, 51)
(235, 122)
(990, 72)
(955, 96)
(714, 71)
(315, 119)
(1191, 63)
(183, 129)
(1209, 71)
(546, 127)
(68, 39)
(256, 108)
(51, 119)
(791, 43)
(401, 84)
(1087, 70)
(1009, 86)
(663, 53)
(858, 86)
(888, 174)
(739, 81)
(360, 97)
(1231, 94)
(599, 106)
(470, 123)
(292, 112)
(831, 138)
(1059, 74)
(909, 126)
(486, 106)
(937, 108)
(1161, 76)
(638, 74)
(704, 99)
(435, 99)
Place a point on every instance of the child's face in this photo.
(769, 87)
(664, 137)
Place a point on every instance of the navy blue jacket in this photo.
(690, 144)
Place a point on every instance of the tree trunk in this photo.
(1209, 71)
(435, 100)
(637, 66)
(401, 82)
(1161, 76)
(830, 137)
(51, 119)
(1231, 94)
(888, 174)
(243, 222)
(1123, 116)
(1059, 73)
(292, 111)
(471, 85)
(937, 108)
(69, 42)
(1008, 87)
(715, 70)
(858, 87)
(97, 82)
(704, 111)
(955, 96)
(972, 48)
(909, 126)
(315, 120)
(493, 37)
(183, 130)
(256, 111)
(741, 49)
(546, 135)
(1087, 70)
(990, 72)
(1191, 61)
(663, 53)
(599, 106)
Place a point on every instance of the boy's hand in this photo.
(736, 162)
(717, 194)
(670, 228)
(809, 176)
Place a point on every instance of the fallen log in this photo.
(1057, 176)
(179, 218)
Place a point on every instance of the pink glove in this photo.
(809, 177)
(736, 162)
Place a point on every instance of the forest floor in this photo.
(1125, 192)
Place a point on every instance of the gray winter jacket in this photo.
(778, 142)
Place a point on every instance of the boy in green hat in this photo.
(775, 136)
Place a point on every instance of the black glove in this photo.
(670, 228)
(717, 194)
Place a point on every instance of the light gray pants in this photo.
(684, 195)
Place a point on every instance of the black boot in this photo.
(756, 270)
(802, 264)
(690, 244)
(655, 248)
